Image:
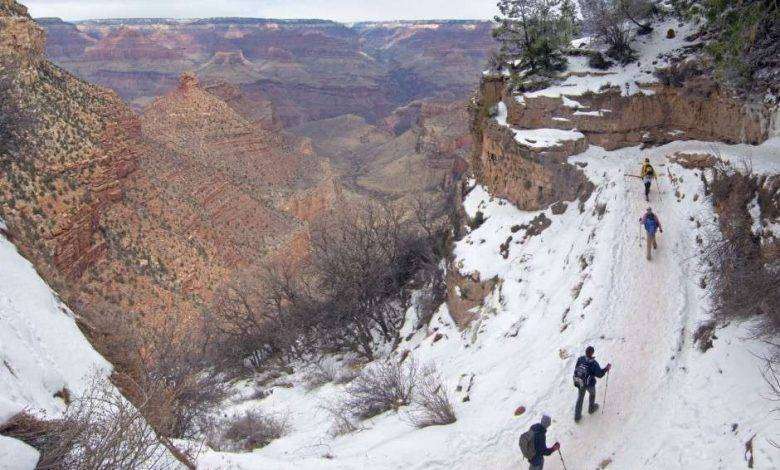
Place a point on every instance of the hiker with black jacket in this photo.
(585, 373)
(533, 443)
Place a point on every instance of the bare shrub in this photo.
(366, 260)
(611, 21)
(167, 371)
(343, 421)
(259, 319)
(100, 430)
(178, 376)
(328, 371)
(380, 387)
(743, 274)
(252, 430)
(318, 375)
(348, 297)
(432, 402)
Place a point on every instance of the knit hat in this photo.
(546, 421)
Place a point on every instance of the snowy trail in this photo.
(640, 320)
(668, 406)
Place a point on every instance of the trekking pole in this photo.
(606, 386)
(562, 461)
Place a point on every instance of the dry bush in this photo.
(343, 420)
(327, 371)
(259, 320)
(168, 368)
(363, 260)
(252, 430)
(613, 22)
(100, 430)
(178, 374)
(432, 402)
(745, 278)
(350, 296)
(380, 387)
(321, 373)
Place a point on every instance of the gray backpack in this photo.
(527, 446)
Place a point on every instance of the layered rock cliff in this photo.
(144, 216)
(523, 139)
(310, 70)
(246, 182)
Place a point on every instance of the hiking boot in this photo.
(594, 408)
(577, 419)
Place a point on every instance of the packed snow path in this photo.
(584, 280)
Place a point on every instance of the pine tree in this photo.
(532, 35)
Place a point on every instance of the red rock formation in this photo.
(310, 70)
(128, 44)
(150, 216)
(253, 188)
(259, 111)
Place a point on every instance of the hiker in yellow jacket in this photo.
(647, 175)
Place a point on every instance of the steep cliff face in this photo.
(70, 155)
(247, 184)
(524, 138)
(67, 147)
(147, 216)
(259, 110)
(527, 168)
(696, 109)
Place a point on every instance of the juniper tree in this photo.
(533, 34)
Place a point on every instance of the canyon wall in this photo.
(308, 69)
(534, 177)
(531, 177)
(146, 216)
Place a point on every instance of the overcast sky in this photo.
(339, 10)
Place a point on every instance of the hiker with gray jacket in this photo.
(533, 443)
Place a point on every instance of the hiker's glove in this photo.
(556, 446)
(662, 230)
(609, 366)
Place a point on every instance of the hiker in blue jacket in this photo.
(540, 443)
(585, 373)
(652, 223)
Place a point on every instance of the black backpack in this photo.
(650, 171)
(581, 373)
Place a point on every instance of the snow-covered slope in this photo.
(42, 351)
(583, 281)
